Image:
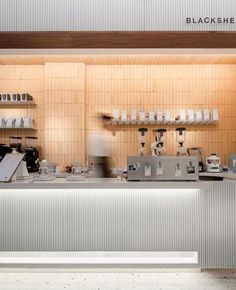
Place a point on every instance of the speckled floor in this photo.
(209, 280)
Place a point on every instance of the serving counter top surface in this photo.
(106, 183)
(114, 183)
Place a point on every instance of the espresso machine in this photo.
(142, 139)
(160, 168)
(31, 154)
(158, 148)
(4, 149)
(180, 138)
(15, 146)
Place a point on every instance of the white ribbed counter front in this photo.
(118, 216)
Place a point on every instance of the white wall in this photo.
(133, 15)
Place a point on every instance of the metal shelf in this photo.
(171, 122)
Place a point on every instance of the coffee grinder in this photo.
(158, 148)
(15, 143)
(197, 151)
(142, 139)
(180, 138)
(31, 154)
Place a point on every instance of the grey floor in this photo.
(209, 280)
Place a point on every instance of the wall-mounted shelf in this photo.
(171, 122)
(19, 103)
(22, 129)
(164, 117)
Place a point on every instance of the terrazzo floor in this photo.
(209, 280)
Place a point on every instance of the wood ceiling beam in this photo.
(31, 40)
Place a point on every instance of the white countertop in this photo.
(105, 183)
(114, 183)
(226, 175)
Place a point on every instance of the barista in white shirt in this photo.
(99, 149)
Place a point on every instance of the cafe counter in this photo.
(113, 216)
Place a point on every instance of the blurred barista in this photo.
(99, 149)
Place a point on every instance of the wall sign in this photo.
(210, 20)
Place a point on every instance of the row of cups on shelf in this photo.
(15, 97)
(11, 122)
(165, 115)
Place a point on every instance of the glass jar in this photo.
(180, 135)
(31, 141)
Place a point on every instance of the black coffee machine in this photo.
(15, 144)
(31, 154)
(4, 149)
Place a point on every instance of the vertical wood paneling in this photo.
(64, 101)
(18, 79)
(159, 87)
(64, 112)
(60, 96)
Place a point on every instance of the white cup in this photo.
(19, 123)
(28, 122)
(10, 122)
(2, 122)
